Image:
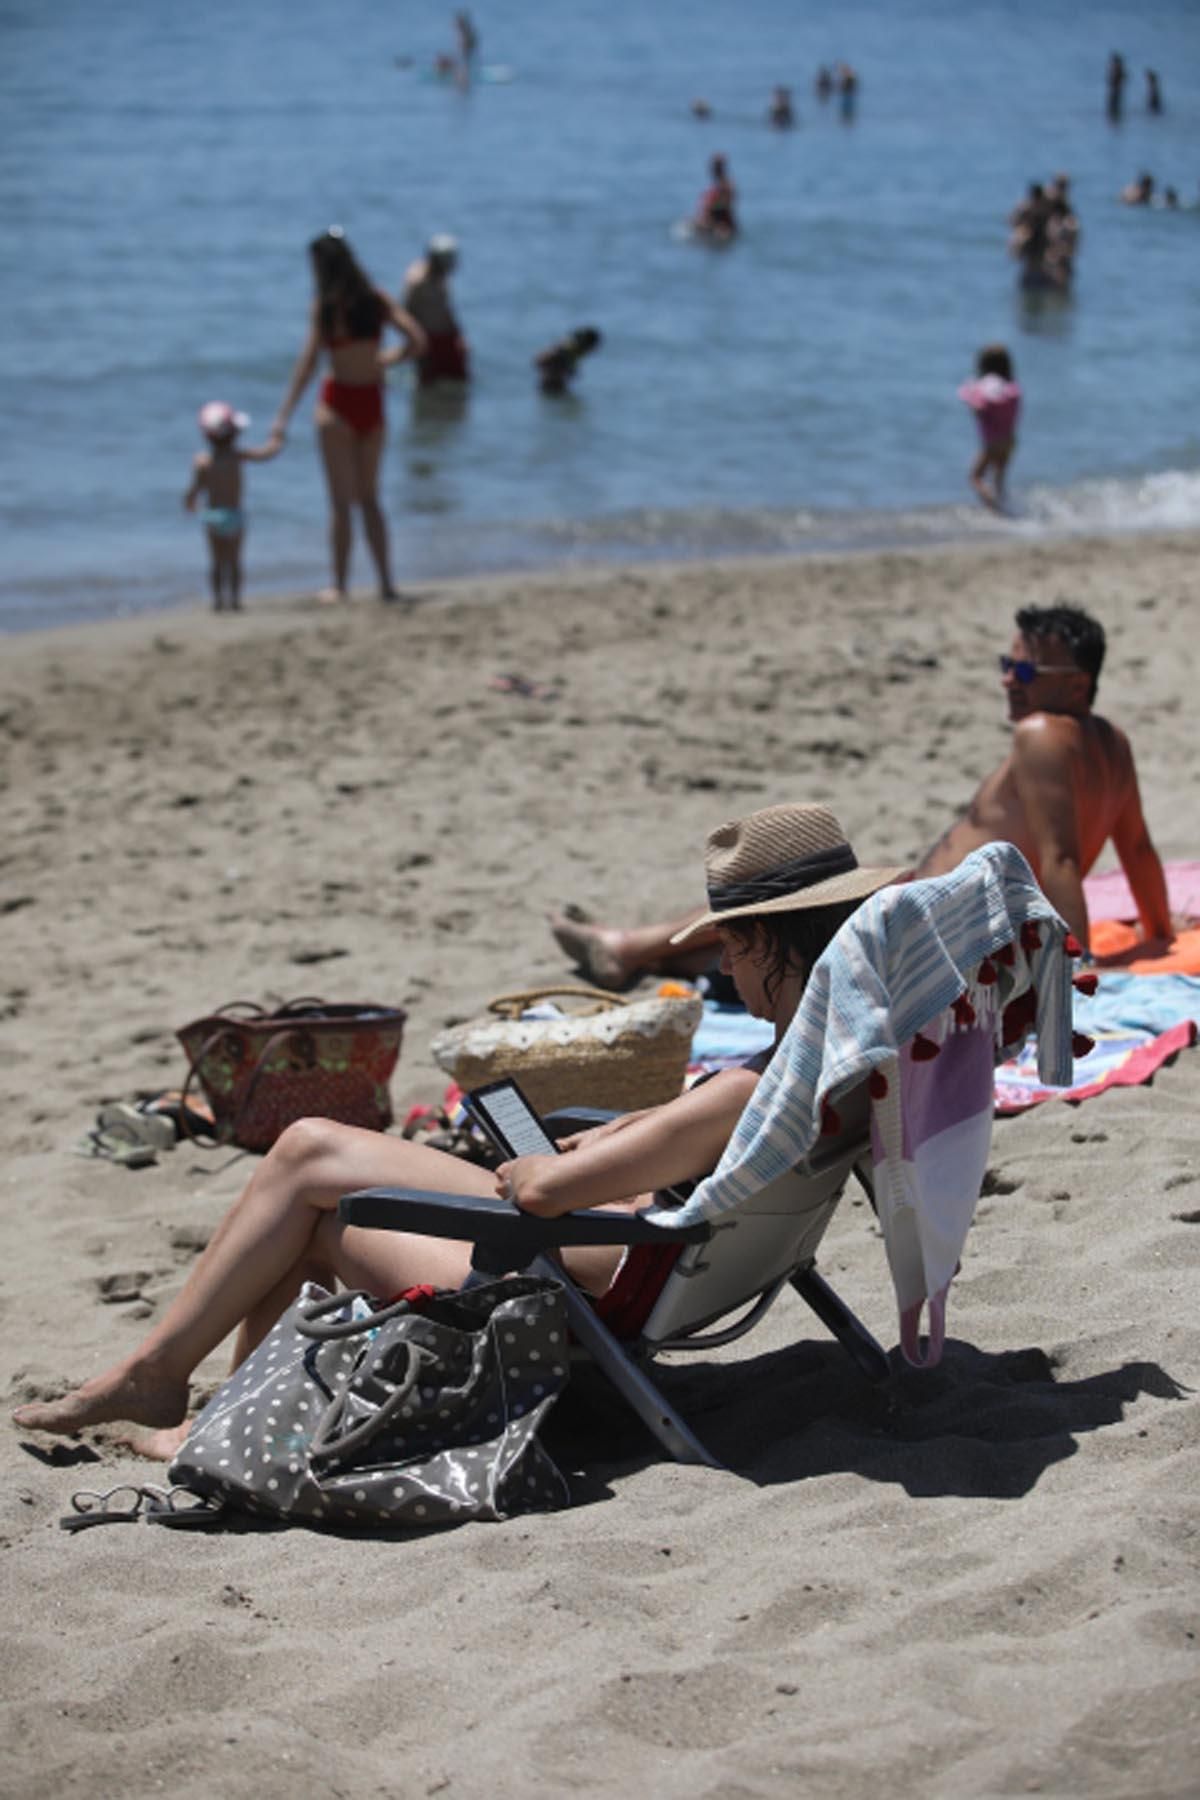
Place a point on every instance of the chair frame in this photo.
(503, 1239)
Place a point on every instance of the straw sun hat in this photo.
(782, 859)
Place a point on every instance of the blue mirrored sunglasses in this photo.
(1026, 671)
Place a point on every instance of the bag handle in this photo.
(322, 1450)
(511, 1005)
(311, 1321)
(230, 1135)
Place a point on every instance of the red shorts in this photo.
(360, 406)
(446, 359)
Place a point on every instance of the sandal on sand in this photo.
(124, 1505)
(115, 1146)
(125, 1120)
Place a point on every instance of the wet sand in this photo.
(990, 1588)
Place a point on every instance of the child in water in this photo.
(556, 364)
(217, 474)
(995, 399)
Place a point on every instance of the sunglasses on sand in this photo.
(1026, 671)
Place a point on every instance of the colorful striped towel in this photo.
(911, 996)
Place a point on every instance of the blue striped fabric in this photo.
(892, 971)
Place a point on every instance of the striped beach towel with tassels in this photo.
(917, 995)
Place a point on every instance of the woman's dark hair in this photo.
(790, 941)
(346, 297)
(994, 360)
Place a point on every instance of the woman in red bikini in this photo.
(348, 316)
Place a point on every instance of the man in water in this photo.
(1067, 785)
(427, 298)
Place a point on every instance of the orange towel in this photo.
(1119, 946)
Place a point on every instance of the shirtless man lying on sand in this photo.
(1067, 785)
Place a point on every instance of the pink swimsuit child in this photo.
(995, 403)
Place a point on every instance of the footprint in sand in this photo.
(119, 1289)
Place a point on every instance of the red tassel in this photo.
(987, 973)
(1020, 1015)
(1081, 1044)
(1031, 937)
(830, 1123)
(924, 1049)
(877, 1085)
(1072, 945)
(1007, 955)
(1087, 983)
(964, 1012)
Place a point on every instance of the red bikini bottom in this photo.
(360, 406)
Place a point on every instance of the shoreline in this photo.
(339, 802)
(942, 526)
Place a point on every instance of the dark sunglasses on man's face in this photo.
(1026, 671)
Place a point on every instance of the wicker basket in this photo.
(610, 1052)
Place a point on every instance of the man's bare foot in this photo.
(124, 1393)
(156, 1446)
(597, 950)
(331, 596)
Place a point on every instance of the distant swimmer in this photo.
(995, 398)
(847, 87)
(557, 363)
(1114, 86)
(1139, 192)
(716, 215)
(700, 109)
(1154, 102)
(779, 113)
(426, 298)
(468, 37)
(823, 84)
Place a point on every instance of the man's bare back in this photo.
(1088, 756)
(1067, 785)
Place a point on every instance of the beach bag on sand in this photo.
(263, 1070)
(422, 1412)
(607, 1052)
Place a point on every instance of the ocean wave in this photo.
(1165, 500)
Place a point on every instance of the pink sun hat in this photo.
(217, 420)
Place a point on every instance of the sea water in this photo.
(162, 168)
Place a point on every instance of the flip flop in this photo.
(134, 1123)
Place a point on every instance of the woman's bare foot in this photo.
(141, 1396)
(157, 1446)
(598, 950)
(331, 596)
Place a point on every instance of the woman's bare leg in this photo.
(369, 451)
(337, 445)
(258, 1257)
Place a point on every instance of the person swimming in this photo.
(557, 363)
(716, 215)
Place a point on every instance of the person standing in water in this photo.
(716, 215)
(347, 322)
(426, 297)
(995, 398)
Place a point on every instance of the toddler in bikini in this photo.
(995, 398)
(217, 475)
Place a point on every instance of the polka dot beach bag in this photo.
(422, 1412)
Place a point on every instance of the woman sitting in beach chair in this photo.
(781, 882)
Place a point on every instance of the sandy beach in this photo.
(990, 1588)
